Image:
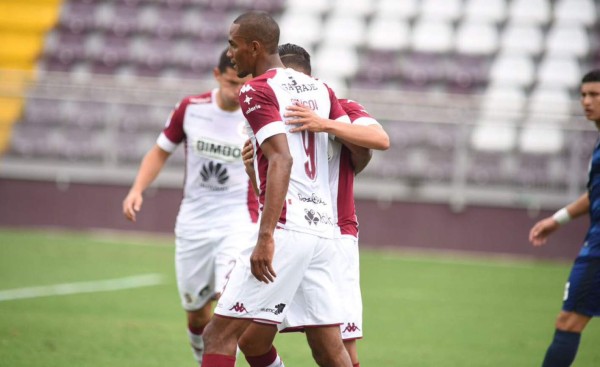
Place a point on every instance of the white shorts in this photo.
(347, 278)
(203, 265)
(303, 264)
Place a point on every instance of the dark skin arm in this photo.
(276, 150)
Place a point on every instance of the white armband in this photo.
(562, 216)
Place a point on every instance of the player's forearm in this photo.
(278, 179)
(371, 137)
(150, 167)
(579, 207)
(359, 156)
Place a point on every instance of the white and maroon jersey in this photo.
(308, 207)
(217, 192)
(341, 172)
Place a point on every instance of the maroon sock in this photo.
(196, 330)
(218, 360)
(263, 360)
(356, 365)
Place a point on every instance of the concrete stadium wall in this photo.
(400, 225)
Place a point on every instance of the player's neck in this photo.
(223, 104)
(269, 62)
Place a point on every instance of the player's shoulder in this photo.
(203, 98)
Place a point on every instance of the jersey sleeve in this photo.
(261, 109)
(173, 133)
(336, 112)
(357, 113)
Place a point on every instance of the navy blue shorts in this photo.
(582, 291)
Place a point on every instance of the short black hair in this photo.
(295, 56)
(259, 26)
(224, 62)
(591, 77)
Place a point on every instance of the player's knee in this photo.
(571, 322)
(252, 346)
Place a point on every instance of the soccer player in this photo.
(349, 154)
(295, 250)
(219, 211)
(582, 291)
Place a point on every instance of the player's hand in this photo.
(261, 260)
(248, 155)
(132, 204)
(539, 233)
(305, 119)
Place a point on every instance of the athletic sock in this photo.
(356, 365)
(195, 337)
(218, 360)
(269, 359)
(562, 350)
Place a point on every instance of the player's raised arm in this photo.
(150, 167)
(539, 233)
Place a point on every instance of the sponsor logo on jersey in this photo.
(246, 88)
(212, 172)
(238, 307)
(314, 217)
(253, 108)
(216, 149)
(313, 198)
(276, 310)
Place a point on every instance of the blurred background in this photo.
(479, 97)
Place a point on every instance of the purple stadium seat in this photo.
(68, 47)
(376, 67)
(77, 16)
(467, 73)
(421, 69)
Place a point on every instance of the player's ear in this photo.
(256, 47)
(216, 72)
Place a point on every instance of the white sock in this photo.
(197, 346)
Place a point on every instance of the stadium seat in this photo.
(303, 29)
(376, 67)
(335, 61)
(563, 72)
(445, 10)
(315, 7)
(519, 38)
(567, 40)
(432, 35)
(493, 11)
(555, 102)
(515, 69)
(577, 12)
(65, 46)
(530, 11)
(387, 33)
(77, 16)
(419, 70)
(476, 38)
(467, 73)
(502, 102)
(405, 10)
(354, 8)
(345, 30)
(541, 136)
(494, 135)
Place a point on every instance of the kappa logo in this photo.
(351, 327)
(246, 88)
(216, 170)
(238, 307)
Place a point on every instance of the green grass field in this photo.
(419, 310)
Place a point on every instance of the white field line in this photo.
(138, 281)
